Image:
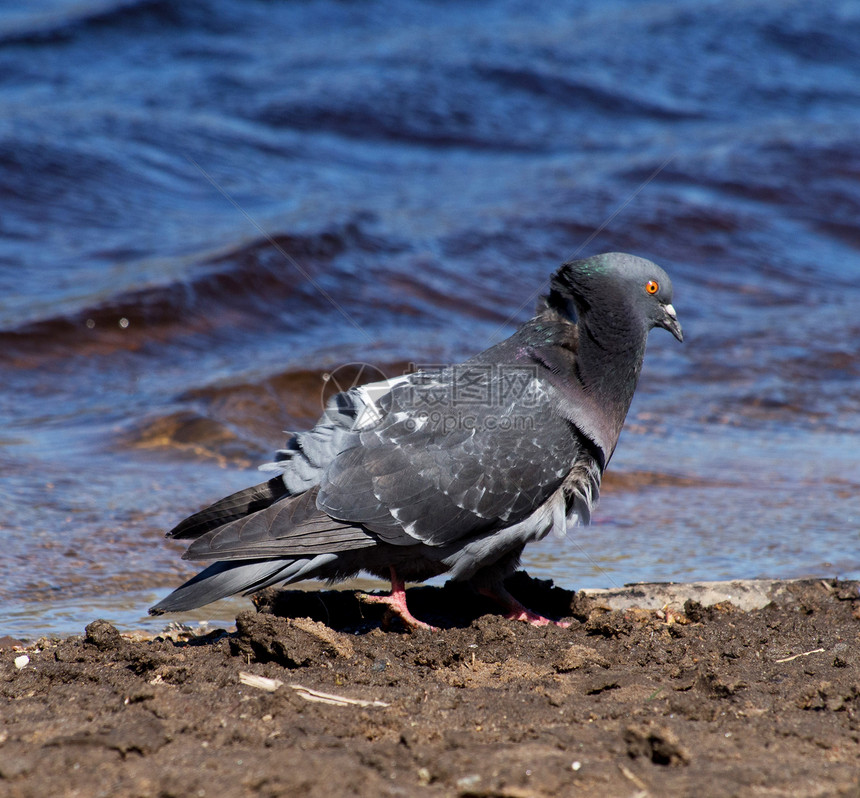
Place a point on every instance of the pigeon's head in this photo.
(616, 290)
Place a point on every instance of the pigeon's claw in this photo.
(396, 604)
(516, 611)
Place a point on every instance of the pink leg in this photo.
(515, 610)
(397, 603)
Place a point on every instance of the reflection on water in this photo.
(236, 198)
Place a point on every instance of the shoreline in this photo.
(686, 693)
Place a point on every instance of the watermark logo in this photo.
(478, 385)
(349, 376)
(436, 398)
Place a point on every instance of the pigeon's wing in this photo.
(263, 520)
(298, 467)
(291, 527)
(306, 456)
(233, 507)
(458, 455)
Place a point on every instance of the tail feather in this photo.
(231, 508)
(222, 579)
(290, 528)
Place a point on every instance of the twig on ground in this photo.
(631, 776)
(260, 682)
(338, 700)
(270, 685)
(803, 654)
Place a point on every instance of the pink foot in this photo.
(517, 611)
(396, 604)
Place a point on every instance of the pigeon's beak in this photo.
(669, 321)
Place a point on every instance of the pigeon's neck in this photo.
(595, 374)
(609, 362)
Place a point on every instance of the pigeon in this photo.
(451, 469)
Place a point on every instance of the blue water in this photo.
(206, 206)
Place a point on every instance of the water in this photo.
(206, 206)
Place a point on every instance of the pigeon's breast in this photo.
(581, 491)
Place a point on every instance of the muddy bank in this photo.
(684, 700)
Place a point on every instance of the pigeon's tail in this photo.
(287, 541)
(231, 508)
(222, 579)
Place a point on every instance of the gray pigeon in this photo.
(447, 470)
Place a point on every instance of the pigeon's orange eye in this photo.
(652, 287)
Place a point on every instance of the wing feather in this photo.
(418, 476)
(293, 527)
(235, 506)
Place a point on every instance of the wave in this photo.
(489, 107)
(47, 27)
(280, 280)
(584, 95)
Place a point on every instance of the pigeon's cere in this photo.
(452, 471)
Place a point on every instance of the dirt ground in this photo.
(694, 701)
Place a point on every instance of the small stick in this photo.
(628, 774)
(329, 698)
(803, 654)
(260, 682)
(270, 685)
